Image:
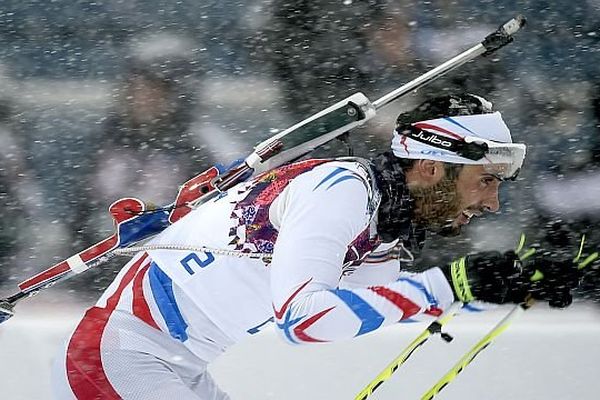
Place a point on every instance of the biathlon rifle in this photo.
(135, 221)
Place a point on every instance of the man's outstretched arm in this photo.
(319, 217)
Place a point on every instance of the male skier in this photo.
(318, 247)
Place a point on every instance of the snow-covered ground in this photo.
(547, 354)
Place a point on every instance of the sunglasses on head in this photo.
(472, 150)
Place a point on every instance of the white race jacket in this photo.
(327, 279)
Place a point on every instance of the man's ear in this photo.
(429, 172)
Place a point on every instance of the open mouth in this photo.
(465, 216)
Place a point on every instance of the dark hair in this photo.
(452, 105)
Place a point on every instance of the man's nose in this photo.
(491, 202)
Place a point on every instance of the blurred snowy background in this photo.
(545, 355)
(110, 98)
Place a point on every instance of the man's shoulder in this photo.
(349, 165)
(332, 173)
(329, 173)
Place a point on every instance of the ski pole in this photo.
(492, 334)
(433, 328)
(515, 313)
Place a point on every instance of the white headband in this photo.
(480, 128)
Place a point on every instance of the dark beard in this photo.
(437, 206)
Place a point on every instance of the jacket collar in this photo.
(396, 211)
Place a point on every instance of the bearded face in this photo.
(451, 203)
(437, 206)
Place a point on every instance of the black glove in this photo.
(486, 276)
(549, 279)
(502, 278)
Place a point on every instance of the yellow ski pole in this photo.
(433, 328)
(516, 312)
